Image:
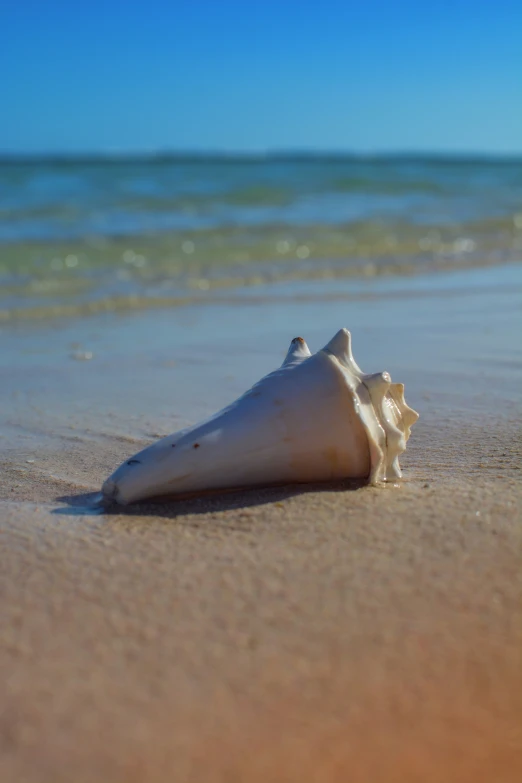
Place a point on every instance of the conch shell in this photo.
(316, 418)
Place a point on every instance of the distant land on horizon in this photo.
(254, 156)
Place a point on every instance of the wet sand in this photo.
(338, 633)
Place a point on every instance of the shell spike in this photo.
(340, 346)
(408, 415)
(297, 352)
(377, 384)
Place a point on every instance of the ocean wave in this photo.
(95, 228)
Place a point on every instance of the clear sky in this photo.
(371, 75)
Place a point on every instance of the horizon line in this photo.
(249, 156)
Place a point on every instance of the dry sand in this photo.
(333, 635)
(338, 634)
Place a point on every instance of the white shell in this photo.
(316, 418)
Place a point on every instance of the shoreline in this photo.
(452, 339)
(153, 294)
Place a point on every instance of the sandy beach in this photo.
(319, 634)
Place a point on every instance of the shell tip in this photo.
(341, 347)
(298, 351)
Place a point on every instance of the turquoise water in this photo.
(83, 235)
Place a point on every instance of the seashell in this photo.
(316, 418)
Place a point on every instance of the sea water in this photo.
(82, 235)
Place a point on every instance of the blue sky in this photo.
(372, 75)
